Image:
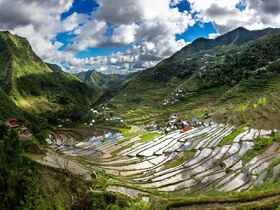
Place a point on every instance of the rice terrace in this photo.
(140, 105)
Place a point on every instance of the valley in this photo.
(200, 130)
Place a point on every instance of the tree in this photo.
(17, 180)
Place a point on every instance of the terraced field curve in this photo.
(154, 166)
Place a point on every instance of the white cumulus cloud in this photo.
(148, 28)
(151, 26)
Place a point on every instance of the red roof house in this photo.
(186, 129)
(12, 123)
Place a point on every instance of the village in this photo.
(24, 134)
(104, 115)
(175, 97)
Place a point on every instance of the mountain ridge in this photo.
(238, 36)
(208, 78)
(104, 82)
(33, 85)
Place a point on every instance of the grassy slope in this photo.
(33, 85)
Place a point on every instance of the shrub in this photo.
(134, 100)
(274, 67)
(17, 174)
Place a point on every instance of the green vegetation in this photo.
(274, 163)
(229, 138)
(254, 198)
(131, 132)
(101, 200)
(104, 82)
(112, 201)
(29, 85)
(149, 136)
(234, 78)
(26, 185)
(264, 197)
(180, 159)
(104, 201)
(261, 144)
(8, 107)
(59, 91)
(16, 180)
(238, 82)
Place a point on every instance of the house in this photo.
(94, 111)
(22, 131)
(186, 129)
(152, 127)
(24, 134)
(12, 123)
(117, 120)
(195, 121)
(185, 123)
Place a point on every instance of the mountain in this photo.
(235, 80)
(104, 82)
(35, 86)
(238, 36)
(189, 59)
(54, 67)
(227, 77)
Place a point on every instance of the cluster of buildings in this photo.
(23, 132)
(175, 122)
(102, 114)
(175, 97)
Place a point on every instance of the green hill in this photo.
(103, 81)
(226, 77)
(33, 85)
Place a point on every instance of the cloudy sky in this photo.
(126, 35)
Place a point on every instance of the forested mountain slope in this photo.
(230, 74)
(33, 85)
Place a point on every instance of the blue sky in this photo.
(81, 6)
(88, 6)
(127, 35)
